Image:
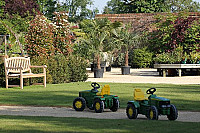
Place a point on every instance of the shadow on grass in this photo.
(24, 124)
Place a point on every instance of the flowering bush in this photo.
(63, 37)
(40, 37)
(46, 38)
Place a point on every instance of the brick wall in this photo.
(139, 21)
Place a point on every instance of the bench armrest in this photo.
(44, 66)
(14, 68)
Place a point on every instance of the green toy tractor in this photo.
(95, 100)
(151, 107)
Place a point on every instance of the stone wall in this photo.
(139, 21)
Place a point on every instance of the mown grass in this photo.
(24, 124)
(185, 97)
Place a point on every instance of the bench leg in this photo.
(6, 82)
(44, 80)
(21, 82)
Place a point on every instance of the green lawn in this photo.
(185, 97)
(24, 124)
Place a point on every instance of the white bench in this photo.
(20, 67)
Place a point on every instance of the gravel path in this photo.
(69, 112)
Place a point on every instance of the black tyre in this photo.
(79, 104)
(152, 113)
(173, 113)
(131, 111)
(98, 106)
(115, 106)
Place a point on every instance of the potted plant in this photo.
(99, 31)
(126, 39)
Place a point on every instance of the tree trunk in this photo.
(98, 62)
(126, 58)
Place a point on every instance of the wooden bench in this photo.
(20, 67)
(164, 67)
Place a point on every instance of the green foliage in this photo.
(136, 6)
(176, 56)
(2, 4)
(61, 69)
(150, 6)
(78, 9)
(141, 58)
(77, 69)
(47, 7)
(174, 36)
(192, 37)
(183, 5)
(119, 60)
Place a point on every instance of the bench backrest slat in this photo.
(15, 62)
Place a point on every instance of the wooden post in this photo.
(164, 72)
(179, 72)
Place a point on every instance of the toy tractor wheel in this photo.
(153, 113)
(98, 106)
(173, 113)
(131, 111)
(79, 104)
(115, 106)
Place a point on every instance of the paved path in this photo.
(142, 76)
(69, 112)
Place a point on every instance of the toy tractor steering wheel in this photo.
(95, 86)
(151, 91)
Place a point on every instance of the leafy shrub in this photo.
(61, 69)
(77, 69)
(140, 58)
(47, 38)
(173, 31)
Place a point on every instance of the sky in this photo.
(101, 3)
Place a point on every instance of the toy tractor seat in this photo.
(139, 95)
(105, 90)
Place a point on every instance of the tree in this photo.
(22, 7)
(150, 6)
(47, 7)
(2, 4)
(135, 6)
(183, 5)
(77, 9)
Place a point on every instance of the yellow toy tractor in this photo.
(151, 107)
(95, 100)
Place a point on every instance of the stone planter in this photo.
(125, 70)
